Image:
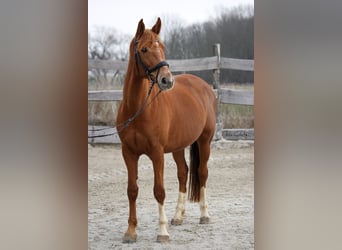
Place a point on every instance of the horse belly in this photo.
(189, 115)
(183, 134)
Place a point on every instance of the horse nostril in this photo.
(163, 80)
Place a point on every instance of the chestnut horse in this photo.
(164, 114)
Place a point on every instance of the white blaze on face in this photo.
(180, 208)
(163, 224)
(203, 203)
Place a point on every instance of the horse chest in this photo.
(138, 140)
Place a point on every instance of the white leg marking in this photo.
(163, 224)
(180, 208)
(203, 203)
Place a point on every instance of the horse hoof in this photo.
(129, 238)
(163, 238)
(204, 220)
(176, 222)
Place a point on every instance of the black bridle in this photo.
(148, 71)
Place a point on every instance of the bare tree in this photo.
(107, 44)
(173, 36)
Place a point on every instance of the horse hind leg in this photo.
(182, 174)
(199, 156)
(204, 153)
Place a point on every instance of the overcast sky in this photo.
(124, 15)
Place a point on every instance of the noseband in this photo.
(148, 71)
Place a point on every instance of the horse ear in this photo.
(140, 29)
(157, 26)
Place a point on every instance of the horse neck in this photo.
(135, 89)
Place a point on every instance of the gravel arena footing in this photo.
(230, 195)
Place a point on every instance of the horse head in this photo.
(150, 56)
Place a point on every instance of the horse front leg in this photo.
(157, 158)
(131, 161)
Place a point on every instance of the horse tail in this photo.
(194, 183)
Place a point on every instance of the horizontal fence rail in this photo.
(237, 64)
(107, 65)
(228, 96)
(97, 134)
(105, 95)
(224, 95)
(196, 64)
(241, 97)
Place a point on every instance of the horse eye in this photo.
(144, 50)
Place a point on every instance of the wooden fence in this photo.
(214, 63)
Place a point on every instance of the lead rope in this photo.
(126, 123)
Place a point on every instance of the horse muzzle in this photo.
(166, 83)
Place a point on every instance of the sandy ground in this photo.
(230, 194)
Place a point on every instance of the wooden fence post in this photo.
(216, 85)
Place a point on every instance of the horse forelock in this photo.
(148, 39)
